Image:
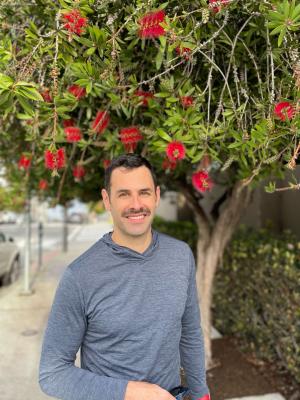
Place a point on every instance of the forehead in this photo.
(131, 179)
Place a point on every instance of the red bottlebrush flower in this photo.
(167, 164)
(183, 51)
(221, 3)
(49, 159)
(100, 122)
(284, 110)
(175, 151)
(43, 184)
(150, 25)
(46, 96)
(201, 181)
(60, 158)
(145, 96)
(77, 91)
(130, 137)
(68, 122)
(78, 172)
(187, 101)
(24, 162)
(55, 159)
(74, 22)
(73, 134)
(106, 163)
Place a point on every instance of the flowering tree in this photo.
(207, 90)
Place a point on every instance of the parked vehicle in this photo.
(8, 217)
(9, 260)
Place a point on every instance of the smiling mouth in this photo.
(136, 217)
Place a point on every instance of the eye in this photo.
(146, 193)
(123, 194)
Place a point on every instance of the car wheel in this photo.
(13, 274)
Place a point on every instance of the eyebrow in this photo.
(140, 190)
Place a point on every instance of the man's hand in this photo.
(146, 391)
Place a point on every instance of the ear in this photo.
(157, 192)
(105, 197)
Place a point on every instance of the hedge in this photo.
(257, 296)
(183, 230)
(256, 292)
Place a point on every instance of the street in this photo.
(52, 233)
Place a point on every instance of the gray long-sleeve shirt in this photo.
(135, 316)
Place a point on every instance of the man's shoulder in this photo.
(167, 241)
(89, 258)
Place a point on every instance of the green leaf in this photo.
(89, 51)
(84, 41)
(172, 99)
(29, 92)
(278, 29)
(82, 82)
(89, 87)
(188, 45)
(25, 105)
(31, 34)
(281, 36)
(296, 12)
(125, 111)
(24, 116)
(4, 96)
(162, 94)
(159, 59)
(270, 188)
(164, 135)
(5, 81)
(163, 41)
(23, 83)
(234, 145)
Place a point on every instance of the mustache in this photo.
(133, 212)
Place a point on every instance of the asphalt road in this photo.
(52, 238)
(52, 233)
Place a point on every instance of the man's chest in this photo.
(130, 301)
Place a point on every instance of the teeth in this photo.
(138, 217)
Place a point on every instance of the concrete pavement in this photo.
(23, 319)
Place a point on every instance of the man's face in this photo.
(132, 201)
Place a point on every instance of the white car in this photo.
(9, 260)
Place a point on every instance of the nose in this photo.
(136, 202)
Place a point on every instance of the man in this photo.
(130, 302)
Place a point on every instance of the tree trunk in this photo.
(210, 248)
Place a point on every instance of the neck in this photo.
(136, 243)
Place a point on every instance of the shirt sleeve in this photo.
(191, 345)
(58, 375)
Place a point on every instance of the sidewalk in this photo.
(23, 319)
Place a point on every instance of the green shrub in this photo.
(257, 295)
(183, 230)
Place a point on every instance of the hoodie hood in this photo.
(130, 254)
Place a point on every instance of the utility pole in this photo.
(40, 244)
(65, 229)
(27, 250)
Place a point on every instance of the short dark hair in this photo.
(129, 161)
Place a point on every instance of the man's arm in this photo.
(58, 376)
(191, 343)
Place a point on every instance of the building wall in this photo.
(168, 206)
(279, 210)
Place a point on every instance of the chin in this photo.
(137, 230)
